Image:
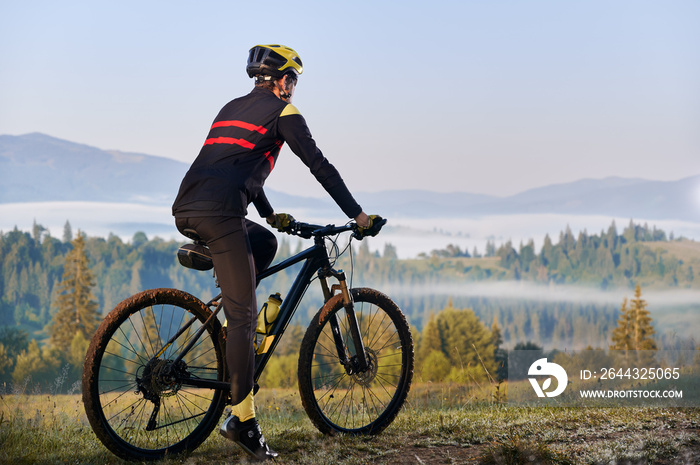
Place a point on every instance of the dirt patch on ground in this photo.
(433, 455)
(663, 446)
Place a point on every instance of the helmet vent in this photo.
(277, 57)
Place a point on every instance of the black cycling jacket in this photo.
(240, 152)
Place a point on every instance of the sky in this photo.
(491, 97)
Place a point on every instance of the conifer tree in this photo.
(77, 309)
(634, 330)
(500, 355)
(546, 252)
(67, 232)
(611, 236)
(490, 249)
(6, 362)
(37, 231)
(621, 334)
(643, 330)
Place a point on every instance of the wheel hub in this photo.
(160, 378)
(366, 377)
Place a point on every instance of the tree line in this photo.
(607, 259)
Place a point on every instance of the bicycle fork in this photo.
(359, 362)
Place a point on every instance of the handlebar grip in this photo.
(377, 223)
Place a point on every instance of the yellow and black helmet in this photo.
(273, 60)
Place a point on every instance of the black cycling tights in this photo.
(240, 248)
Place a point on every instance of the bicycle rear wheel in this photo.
(133, 392)
(335, 398)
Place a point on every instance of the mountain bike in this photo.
(155, 381)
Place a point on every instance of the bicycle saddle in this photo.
(196, 256)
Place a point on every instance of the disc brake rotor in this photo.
(366, 377)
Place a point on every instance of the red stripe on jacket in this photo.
(239, 124)
(269, 156)
(230, 140)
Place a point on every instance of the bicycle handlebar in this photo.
(307, 230)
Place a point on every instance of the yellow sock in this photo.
(246, 409)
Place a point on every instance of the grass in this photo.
(439, 424)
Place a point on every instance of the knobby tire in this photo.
(356, 403)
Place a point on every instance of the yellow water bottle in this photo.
(266, 317)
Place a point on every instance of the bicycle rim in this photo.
(357, 403)
(132, 390)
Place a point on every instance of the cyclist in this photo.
(228, 174)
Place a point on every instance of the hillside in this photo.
(599, 261)
(683, 249)
(39, 168)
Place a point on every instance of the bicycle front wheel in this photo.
(336, 398)
(136, 397)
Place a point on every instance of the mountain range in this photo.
(40, 168)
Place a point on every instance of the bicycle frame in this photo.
(316, 261)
